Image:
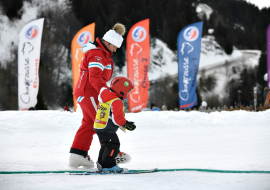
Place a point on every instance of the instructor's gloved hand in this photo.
(130, 125)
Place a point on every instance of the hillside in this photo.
(55, 71)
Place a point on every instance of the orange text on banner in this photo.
(81, 39)
(138, 57)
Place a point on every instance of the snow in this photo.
(213, 54)
(260, 3)
(205, 9)
(238, 140)
(10, 30)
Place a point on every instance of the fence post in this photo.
(255, 98)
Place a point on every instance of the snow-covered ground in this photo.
(238, 140)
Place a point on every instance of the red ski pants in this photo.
(84, 135)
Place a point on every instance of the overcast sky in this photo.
(260, 3)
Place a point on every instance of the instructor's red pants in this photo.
(84, 135)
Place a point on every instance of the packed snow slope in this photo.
(238, 140)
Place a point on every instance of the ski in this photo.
(122, 171)
(95, 170)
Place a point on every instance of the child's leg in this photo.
(101, 151)
(109, 149)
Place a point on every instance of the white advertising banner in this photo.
(28, 63)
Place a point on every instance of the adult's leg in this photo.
(84, 136)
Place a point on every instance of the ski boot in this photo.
(76, 160)
(122, 158)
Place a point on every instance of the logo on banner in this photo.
(32, 32)
(27, 48)
(139, 34)
(191, 33)
(135, 48)
(187, 46)
(84, 38)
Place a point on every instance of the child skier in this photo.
(110, 116)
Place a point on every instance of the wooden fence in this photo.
(225, 108)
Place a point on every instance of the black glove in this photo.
(130, 125)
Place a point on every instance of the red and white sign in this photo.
(138, 58)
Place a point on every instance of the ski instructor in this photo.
(96, 69)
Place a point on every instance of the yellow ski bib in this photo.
(103, 114)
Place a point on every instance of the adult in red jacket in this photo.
(96, 69)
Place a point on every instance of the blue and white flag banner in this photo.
(28, 63)
(188, 50)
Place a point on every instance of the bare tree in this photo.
(55, 63)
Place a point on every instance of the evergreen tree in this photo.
(9, 83)
(232, 91)
(247, 83)
(40, 101)
(60, 27)
(261, 71)
(207, 83)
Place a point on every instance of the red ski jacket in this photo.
(96, 69)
